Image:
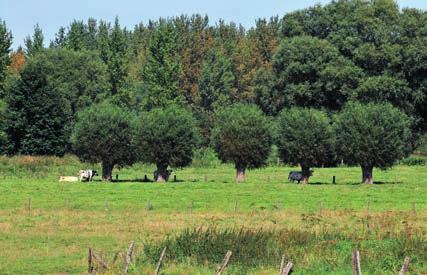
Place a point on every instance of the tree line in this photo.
(320, 58)
(370, 135)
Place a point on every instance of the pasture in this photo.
(46, 226)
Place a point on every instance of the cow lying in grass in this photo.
(298, 176)
(87, 175)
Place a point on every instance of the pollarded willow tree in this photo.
(242, 135)
(306, 138)
(104, 133)
(166, 137)
(372, 135)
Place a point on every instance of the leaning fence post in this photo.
(129, 256)
(160, 261)
(356, 263)
(224, 263)
(405, 265)
(287, 269)
(89, 261)
(282, 265)
(99, 260)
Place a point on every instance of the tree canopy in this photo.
(242, 135)
(321, 57)
(305, 138)
(166, 137)
(372, 135)
(44, 97)
(104, 133)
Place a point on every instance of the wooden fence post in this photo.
(99, 260)
(160, 261)
(405, 265)
(287, 269)
(29, 206)
(89, 261)
(129, 256)
(333, 180)
(356, 263)
(282, 265)
(190, 207)
(224, 263)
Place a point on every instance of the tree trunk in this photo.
(367, 174)
(305, 173)
(162, 173)
(107, 171)
(240, 174)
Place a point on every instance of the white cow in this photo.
(87, 175)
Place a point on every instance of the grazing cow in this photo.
(156, 175)
(297, 176)
(87, 175)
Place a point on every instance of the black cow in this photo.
(297, 176)
(156, 175)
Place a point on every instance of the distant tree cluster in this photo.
(299, 81)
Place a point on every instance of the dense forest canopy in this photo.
(320, 57)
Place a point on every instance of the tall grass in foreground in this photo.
(383, 242)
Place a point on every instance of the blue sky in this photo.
(22, 15)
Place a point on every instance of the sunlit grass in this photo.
(67, 218)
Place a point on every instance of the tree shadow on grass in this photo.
(388, 182)
(377, 182)
(143, 181)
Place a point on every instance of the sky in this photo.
(22, 15)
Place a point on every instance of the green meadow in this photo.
(46, 226)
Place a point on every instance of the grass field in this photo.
(316, 226)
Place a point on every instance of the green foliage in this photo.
(38, 115)
(267, 97)
(167, 137)
(42, 100)
(413, 160)
(310, 72)
(118, 58)
(34, 45)
(216, 81)
(305, 137)
(250, 248)
(205, 157)
(104, 133)
(373, 135)
(384, 88)
(242, 135)
(262, 248)
(5, 44)
(161, 71)
(321, 57)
